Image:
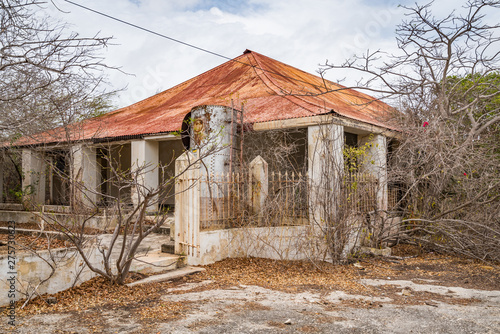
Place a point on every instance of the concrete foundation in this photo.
(265, 242)
(71, 270)
(20, 217)
(32, 269)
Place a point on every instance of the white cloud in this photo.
(297, 32)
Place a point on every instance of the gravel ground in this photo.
(430, 293)
(253, 309)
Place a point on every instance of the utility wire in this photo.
(207, 51)
(148, 30)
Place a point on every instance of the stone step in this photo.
(168, 247)
(154, 262)
(163, 230)
(174, 274)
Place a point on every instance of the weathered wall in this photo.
(265, 242)
(211, 135)
(20, 217)
(32, 269)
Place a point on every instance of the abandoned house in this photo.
(252, 143)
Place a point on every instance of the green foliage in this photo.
(99, 106)
(20, 193)
(354, 157)
(478, 94)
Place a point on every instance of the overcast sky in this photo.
(301, 33)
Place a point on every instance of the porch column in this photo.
(84, 175)
(145, 156)
(187, 206)
(258, 180)
(2, 167)
(33, 184)
(376, 165)
(325, 168)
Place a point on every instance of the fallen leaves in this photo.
(33, 242)
(144, 302)
(290, 276)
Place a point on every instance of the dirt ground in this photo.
(429, 293)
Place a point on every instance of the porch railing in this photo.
(224, 200)
(359, 192)
(253, 198)
(229, 200)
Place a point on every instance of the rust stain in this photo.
(270, 89)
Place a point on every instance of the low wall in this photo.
(11, 206)
(285, 243)
(266, 242)
(20, 217)
(71, 270)
(31, 269)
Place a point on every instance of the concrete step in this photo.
(163, 230)
(154, 262)
(168, 247)
(181, 272)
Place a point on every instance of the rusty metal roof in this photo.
(270, 90)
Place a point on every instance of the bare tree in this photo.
(48, 76)
(445, 83)
(132, 213)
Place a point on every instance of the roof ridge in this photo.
(289, 96)
(259, 67)
(182, 83)
(296, 69)
(265, 73)
(340, 88)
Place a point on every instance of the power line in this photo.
(201, 49)
(148, 30)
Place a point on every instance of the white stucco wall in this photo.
(32, 269)
(265, 242)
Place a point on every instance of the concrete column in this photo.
(376, 165)
(259, 177)
(211, 132)
(145, 156)
(2, 167)
(33, 184)
(211, 139)
(325, 168)
(50, 176)
(187, 206)
(85, 175)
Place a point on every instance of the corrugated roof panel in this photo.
(270, 89)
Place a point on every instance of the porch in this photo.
(287, 179)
